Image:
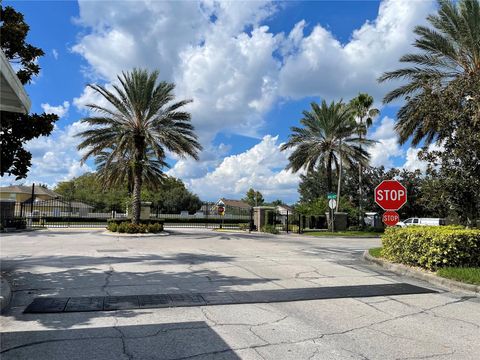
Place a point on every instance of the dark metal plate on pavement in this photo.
(154, 301)
(120, 302)
(49, 305)
(78, 304)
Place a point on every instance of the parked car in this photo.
(422, 222)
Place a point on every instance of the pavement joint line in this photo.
(128, 302)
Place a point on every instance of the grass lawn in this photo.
(343, 233)
(375, 252)
(470, 275)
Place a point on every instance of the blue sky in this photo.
(250, 67)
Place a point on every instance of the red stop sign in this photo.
(390, 195)
(390, 218)
(221, 210)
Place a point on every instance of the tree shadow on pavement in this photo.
(159, 341)
(79, 276)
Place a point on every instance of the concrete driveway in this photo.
(67, 263)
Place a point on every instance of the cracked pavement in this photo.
(63, 263)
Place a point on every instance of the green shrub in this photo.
(129, 228)
(112, 226)
(244, 226)
(122, 227)
(155, 228)
(432, 247)
(291, 227)
(270, 229)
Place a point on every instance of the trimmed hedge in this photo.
(432, 247)
(17, 223)
(270, 229)
(129, 228)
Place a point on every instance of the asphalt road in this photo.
(72, 263)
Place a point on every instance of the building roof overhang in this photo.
(13, 96)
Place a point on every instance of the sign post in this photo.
(221, 211)
(390, 218)
(390, 195)
(332, 203)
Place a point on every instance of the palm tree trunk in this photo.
(329, 173)
(136, 198)
(137, 178)
(360, 195)
(339, 177)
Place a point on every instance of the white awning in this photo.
(12, 94)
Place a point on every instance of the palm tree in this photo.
(140, 123)
(362, 109)
(114, 172)
(328, 138)
(448, 50)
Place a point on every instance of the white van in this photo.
(422, 222)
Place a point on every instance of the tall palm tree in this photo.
(141, 122)
(362, 109)
(113, 172)
(448, 50)
(328, 138)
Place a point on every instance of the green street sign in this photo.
(332, 196)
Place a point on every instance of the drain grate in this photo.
(79, 304)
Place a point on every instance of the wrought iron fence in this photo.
(74, 213)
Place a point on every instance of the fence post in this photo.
(33, 196)
(69, 212)
(287, 221)
(251, 220)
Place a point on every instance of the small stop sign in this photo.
(390, 195)
(390, 218)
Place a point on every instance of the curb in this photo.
(401, 269)
(109, 233)
(5, 294)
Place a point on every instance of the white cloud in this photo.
(319, 65)
(55, 54)
(138, 34)
(235, 76)
(412, 161)
(54, 158)
(59, 110)
(231, 80)
(387, 146)
(260, 167)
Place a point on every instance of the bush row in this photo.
(183, 220)
(129, 228)
(432, 247)
(17, 223)
(270, 229)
